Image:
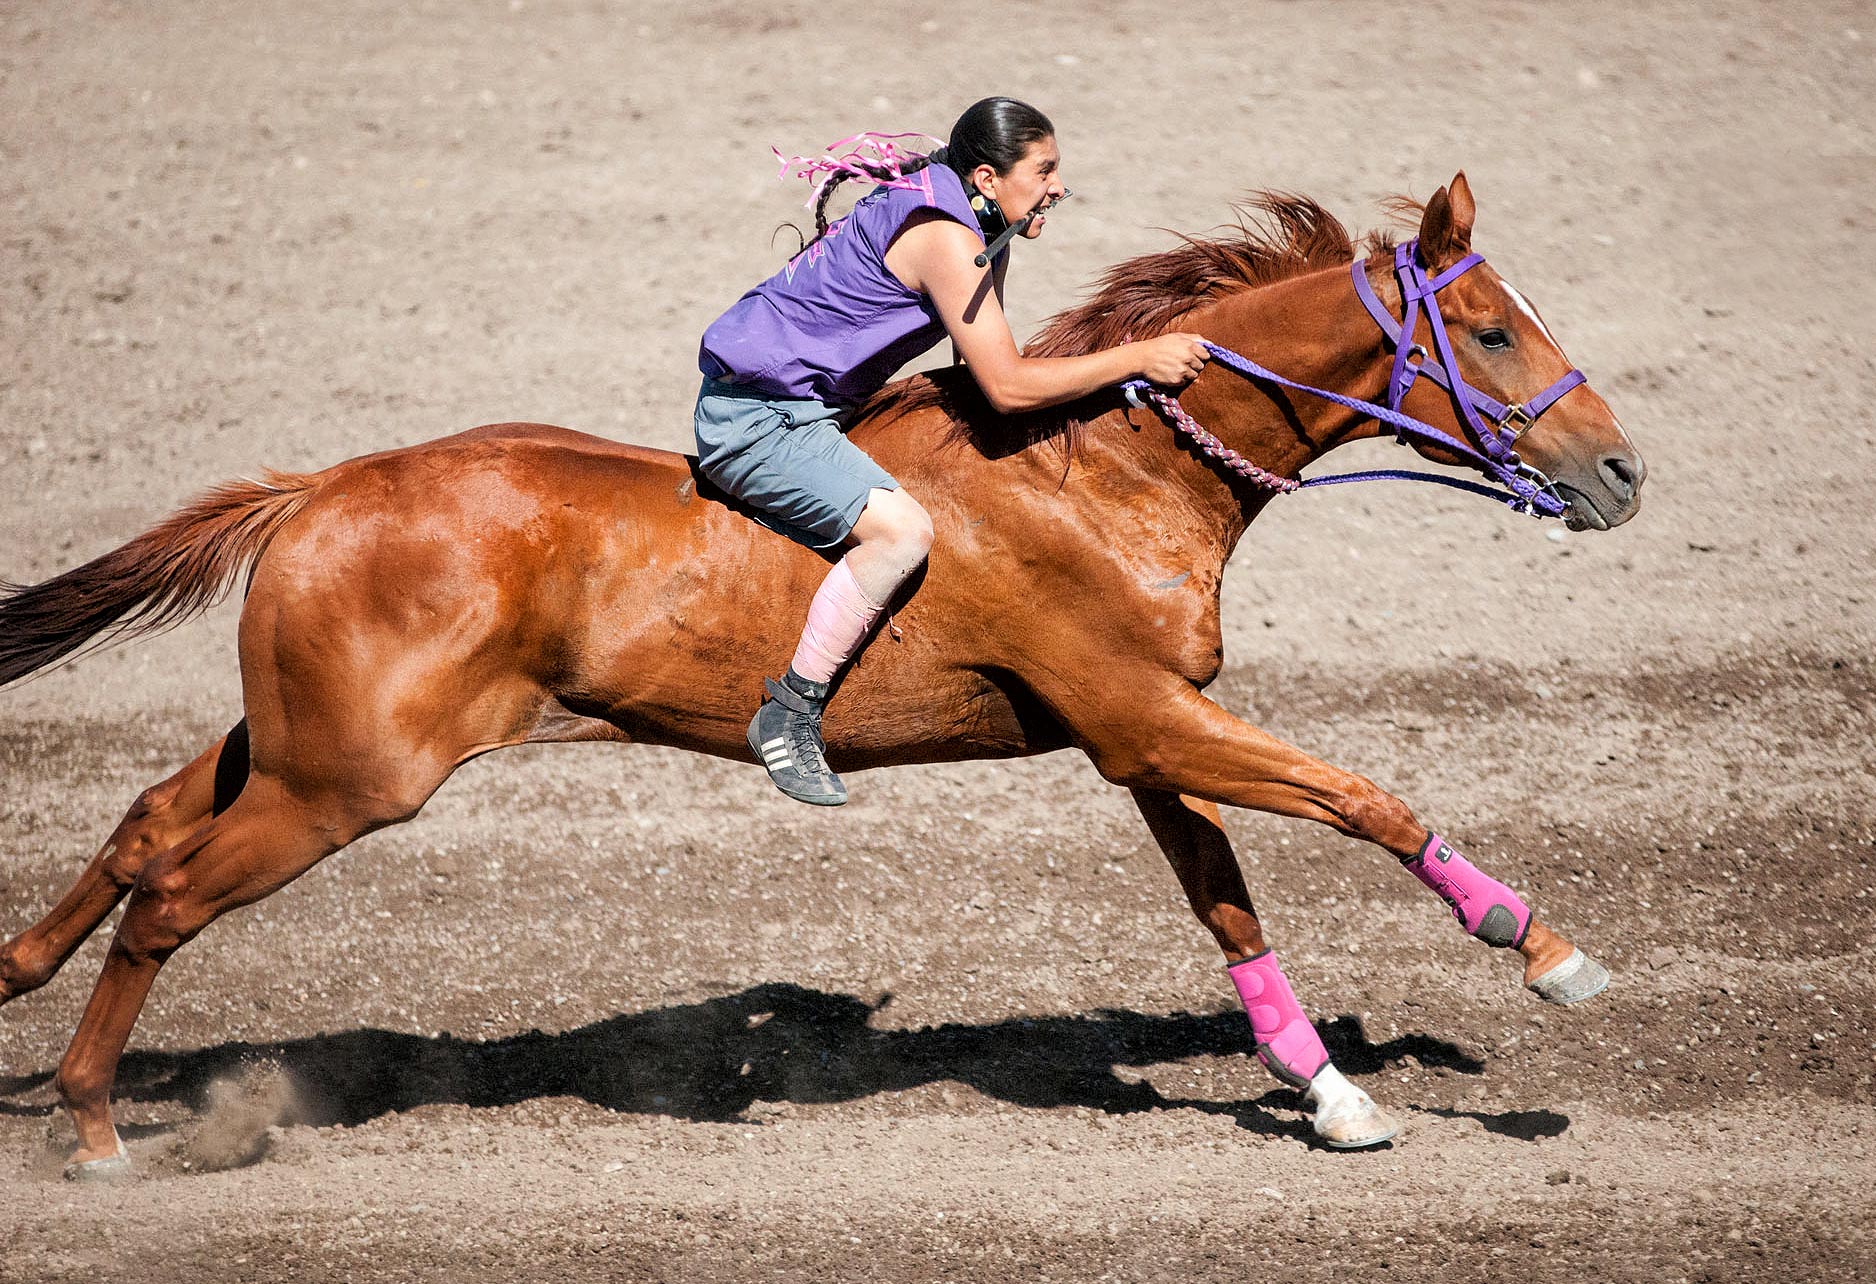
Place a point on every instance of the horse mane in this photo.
(1272, 237)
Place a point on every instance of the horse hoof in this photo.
(108, 1169)
(1346, 1117)
(1356, 1129)
(1577, 978)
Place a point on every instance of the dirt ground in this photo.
(630, 1015)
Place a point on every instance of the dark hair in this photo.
(997, 132)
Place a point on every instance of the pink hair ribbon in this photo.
(873, 158)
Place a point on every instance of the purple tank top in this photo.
(834, 324)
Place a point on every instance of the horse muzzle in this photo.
(1604, 494)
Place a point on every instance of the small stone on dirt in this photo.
(1557, 1177)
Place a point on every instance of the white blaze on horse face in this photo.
(1524, 306)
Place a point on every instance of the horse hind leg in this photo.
(162, 816)
(1192, 835)
(265, 840)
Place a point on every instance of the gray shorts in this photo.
(788, 460)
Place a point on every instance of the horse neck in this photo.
(1311, 329)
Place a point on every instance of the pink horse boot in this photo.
(1484, 906)
(1492, 912)
(1345, 1117)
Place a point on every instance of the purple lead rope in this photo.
(1524, 489)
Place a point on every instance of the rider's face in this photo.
(1034, 179)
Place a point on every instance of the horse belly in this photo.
(938, 716)
(692, 676)
(883, 713)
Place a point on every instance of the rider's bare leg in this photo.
(889, 541)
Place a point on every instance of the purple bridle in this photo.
(1525, 489)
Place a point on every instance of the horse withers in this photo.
(410, 610)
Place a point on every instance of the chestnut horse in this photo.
(519, 583)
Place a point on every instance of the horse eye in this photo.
(1494, 340)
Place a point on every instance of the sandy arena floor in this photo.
(629, 1015)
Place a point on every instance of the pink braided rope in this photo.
(849, 158)
(1217, 449)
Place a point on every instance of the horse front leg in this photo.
(1192, 835)
(1186, 744)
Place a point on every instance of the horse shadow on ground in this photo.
(1522, 1125)
(711, 1061)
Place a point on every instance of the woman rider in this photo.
(794, 356)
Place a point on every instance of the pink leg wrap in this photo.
(1287, 1043)
(1484, 906)
(838, 620)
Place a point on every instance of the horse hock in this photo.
(161, 816)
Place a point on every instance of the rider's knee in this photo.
(902, 525)
(918, 534)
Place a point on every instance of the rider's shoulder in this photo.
(940, 227)
(930, 246)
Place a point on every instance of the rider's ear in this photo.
(1446, 224)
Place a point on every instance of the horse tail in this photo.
(177, 569)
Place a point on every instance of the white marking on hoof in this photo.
(1346, 1117)
(1577, 978)
(110, 1168)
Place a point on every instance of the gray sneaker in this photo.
(785, 736)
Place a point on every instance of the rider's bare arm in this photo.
(934, 256)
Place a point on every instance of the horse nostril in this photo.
(1618, 473)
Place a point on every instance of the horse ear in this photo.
(1446, 224)
(1436, 229)
(1460, 194)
